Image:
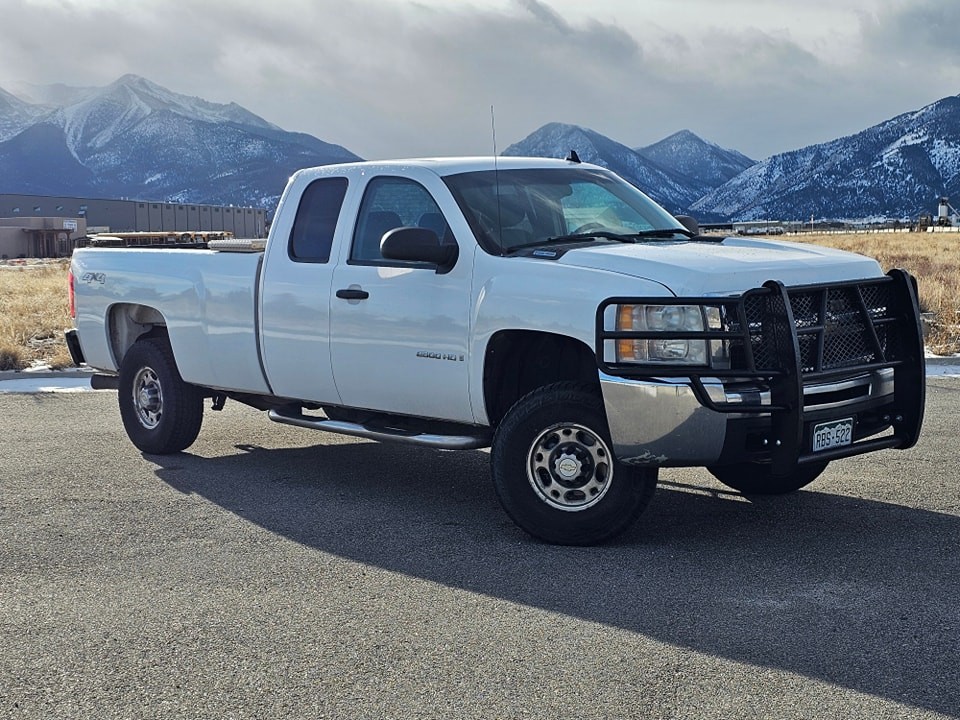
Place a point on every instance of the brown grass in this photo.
(933, 258)
(34, 312)
(33, 315)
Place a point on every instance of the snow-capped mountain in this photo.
(53, 95)
(896, 169)
(675, 172)
(134, 138)
(100, 118)
(705, 165)
(16, 115)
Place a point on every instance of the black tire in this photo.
(592, 498)
(757, 479)
(161, 413)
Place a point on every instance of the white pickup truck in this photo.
(545, 308)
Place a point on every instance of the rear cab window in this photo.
(312, 235)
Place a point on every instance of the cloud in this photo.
(440, 70)
(390, 78)
(349, 72)
(910, 28)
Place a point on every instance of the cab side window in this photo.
(392, 202)
(312, 235)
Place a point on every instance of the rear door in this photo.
(295, 292)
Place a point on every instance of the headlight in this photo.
(666, 319)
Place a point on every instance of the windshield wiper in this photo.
(662, 233)
(606, 235)
(576, 237)
(581, 237)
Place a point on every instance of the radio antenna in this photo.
(496, 178)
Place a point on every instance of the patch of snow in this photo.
(61, 384)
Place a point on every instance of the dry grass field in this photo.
(933, 258)
(34, 313)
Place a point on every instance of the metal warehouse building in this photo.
(136, 215)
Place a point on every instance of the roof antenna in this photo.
(573, 157)
(496, 176)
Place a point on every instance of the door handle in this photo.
(352, 294)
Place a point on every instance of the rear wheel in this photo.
(758, 479)
(555, 473)
(161, 413)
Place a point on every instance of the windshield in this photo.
(511, 209)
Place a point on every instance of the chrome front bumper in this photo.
(661, 421)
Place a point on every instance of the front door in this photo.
(399, 330)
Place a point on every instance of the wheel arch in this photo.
(517, 362)
(127, 323)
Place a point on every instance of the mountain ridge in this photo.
(135, 138)
(16, 114)
(704, 164)
(895, 169)
(667, 185)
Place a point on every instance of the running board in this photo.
(441, 442)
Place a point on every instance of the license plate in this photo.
(832, 434)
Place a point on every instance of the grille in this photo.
(786, 340)
(837, 327)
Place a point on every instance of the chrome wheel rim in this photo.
(570, 467)
(148, 398)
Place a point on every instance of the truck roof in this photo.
(454, 165)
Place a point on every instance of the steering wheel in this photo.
(587, 227)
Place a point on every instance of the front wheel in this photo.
(758, 479)
(555, 473)
(161, 413)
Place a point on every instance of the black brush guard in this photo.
(785, 337)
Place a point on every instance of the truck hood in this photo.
(730, 267)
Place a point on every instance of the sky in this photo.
(404, 78)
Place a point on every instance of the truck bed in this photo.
(208, 300)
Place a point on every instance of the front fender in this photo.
(541, 296)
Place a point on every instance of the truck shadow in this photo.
(853, 592)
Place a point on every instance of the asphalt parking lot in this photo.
(274, 572)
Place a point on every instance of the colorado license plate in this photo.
(836, 433)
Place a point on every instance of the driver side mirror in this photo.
(689, 223)
(415, 244)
